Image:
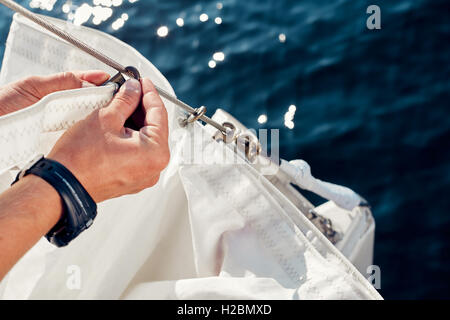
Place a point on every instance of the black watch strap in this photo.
(79, 207)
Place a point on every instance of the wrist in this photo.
(82, 175)
(32, 189)
(79, 208)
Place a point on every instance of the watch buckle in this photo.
(28, 166)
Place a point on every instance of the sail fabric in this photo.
(207, 230)
(20, 132)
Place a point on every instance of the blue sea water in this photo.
(372, 106)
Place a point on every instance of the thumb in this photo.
(125, 102)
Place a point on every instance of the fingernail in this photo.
(132, 85)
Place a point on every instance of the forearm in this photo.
(28, 210)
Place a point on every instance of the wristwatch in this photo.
(79, 208)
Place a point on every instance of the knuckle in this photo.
(31, 80)
(151, 181)
(166, 158)
(163, 158)
(69, 76)
(31, 85)
(154, 180)
(70, 80)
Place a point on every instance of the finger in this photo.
(71, 80)
(96, 77)
(125, 102)
(66, 81)
(155, 111)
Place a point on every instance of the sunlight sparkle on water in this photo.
(289, 124)
(180, 22)
(66, 8)
(262, 119)
(219, 56)
(218, 20)
(162, 31)
(212, 64)
(203, 17)
(108, 3)
(82, 14)
(289, 117)
(42, 4)
(116, 25)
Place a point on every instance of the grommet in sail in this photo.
(133, 72)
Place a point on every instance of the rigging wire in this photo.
(106, 60)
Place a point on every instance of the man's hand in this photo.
(111, 160)
(24, 93)
(107, 158)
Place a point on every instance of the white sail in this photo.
(205, 231)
